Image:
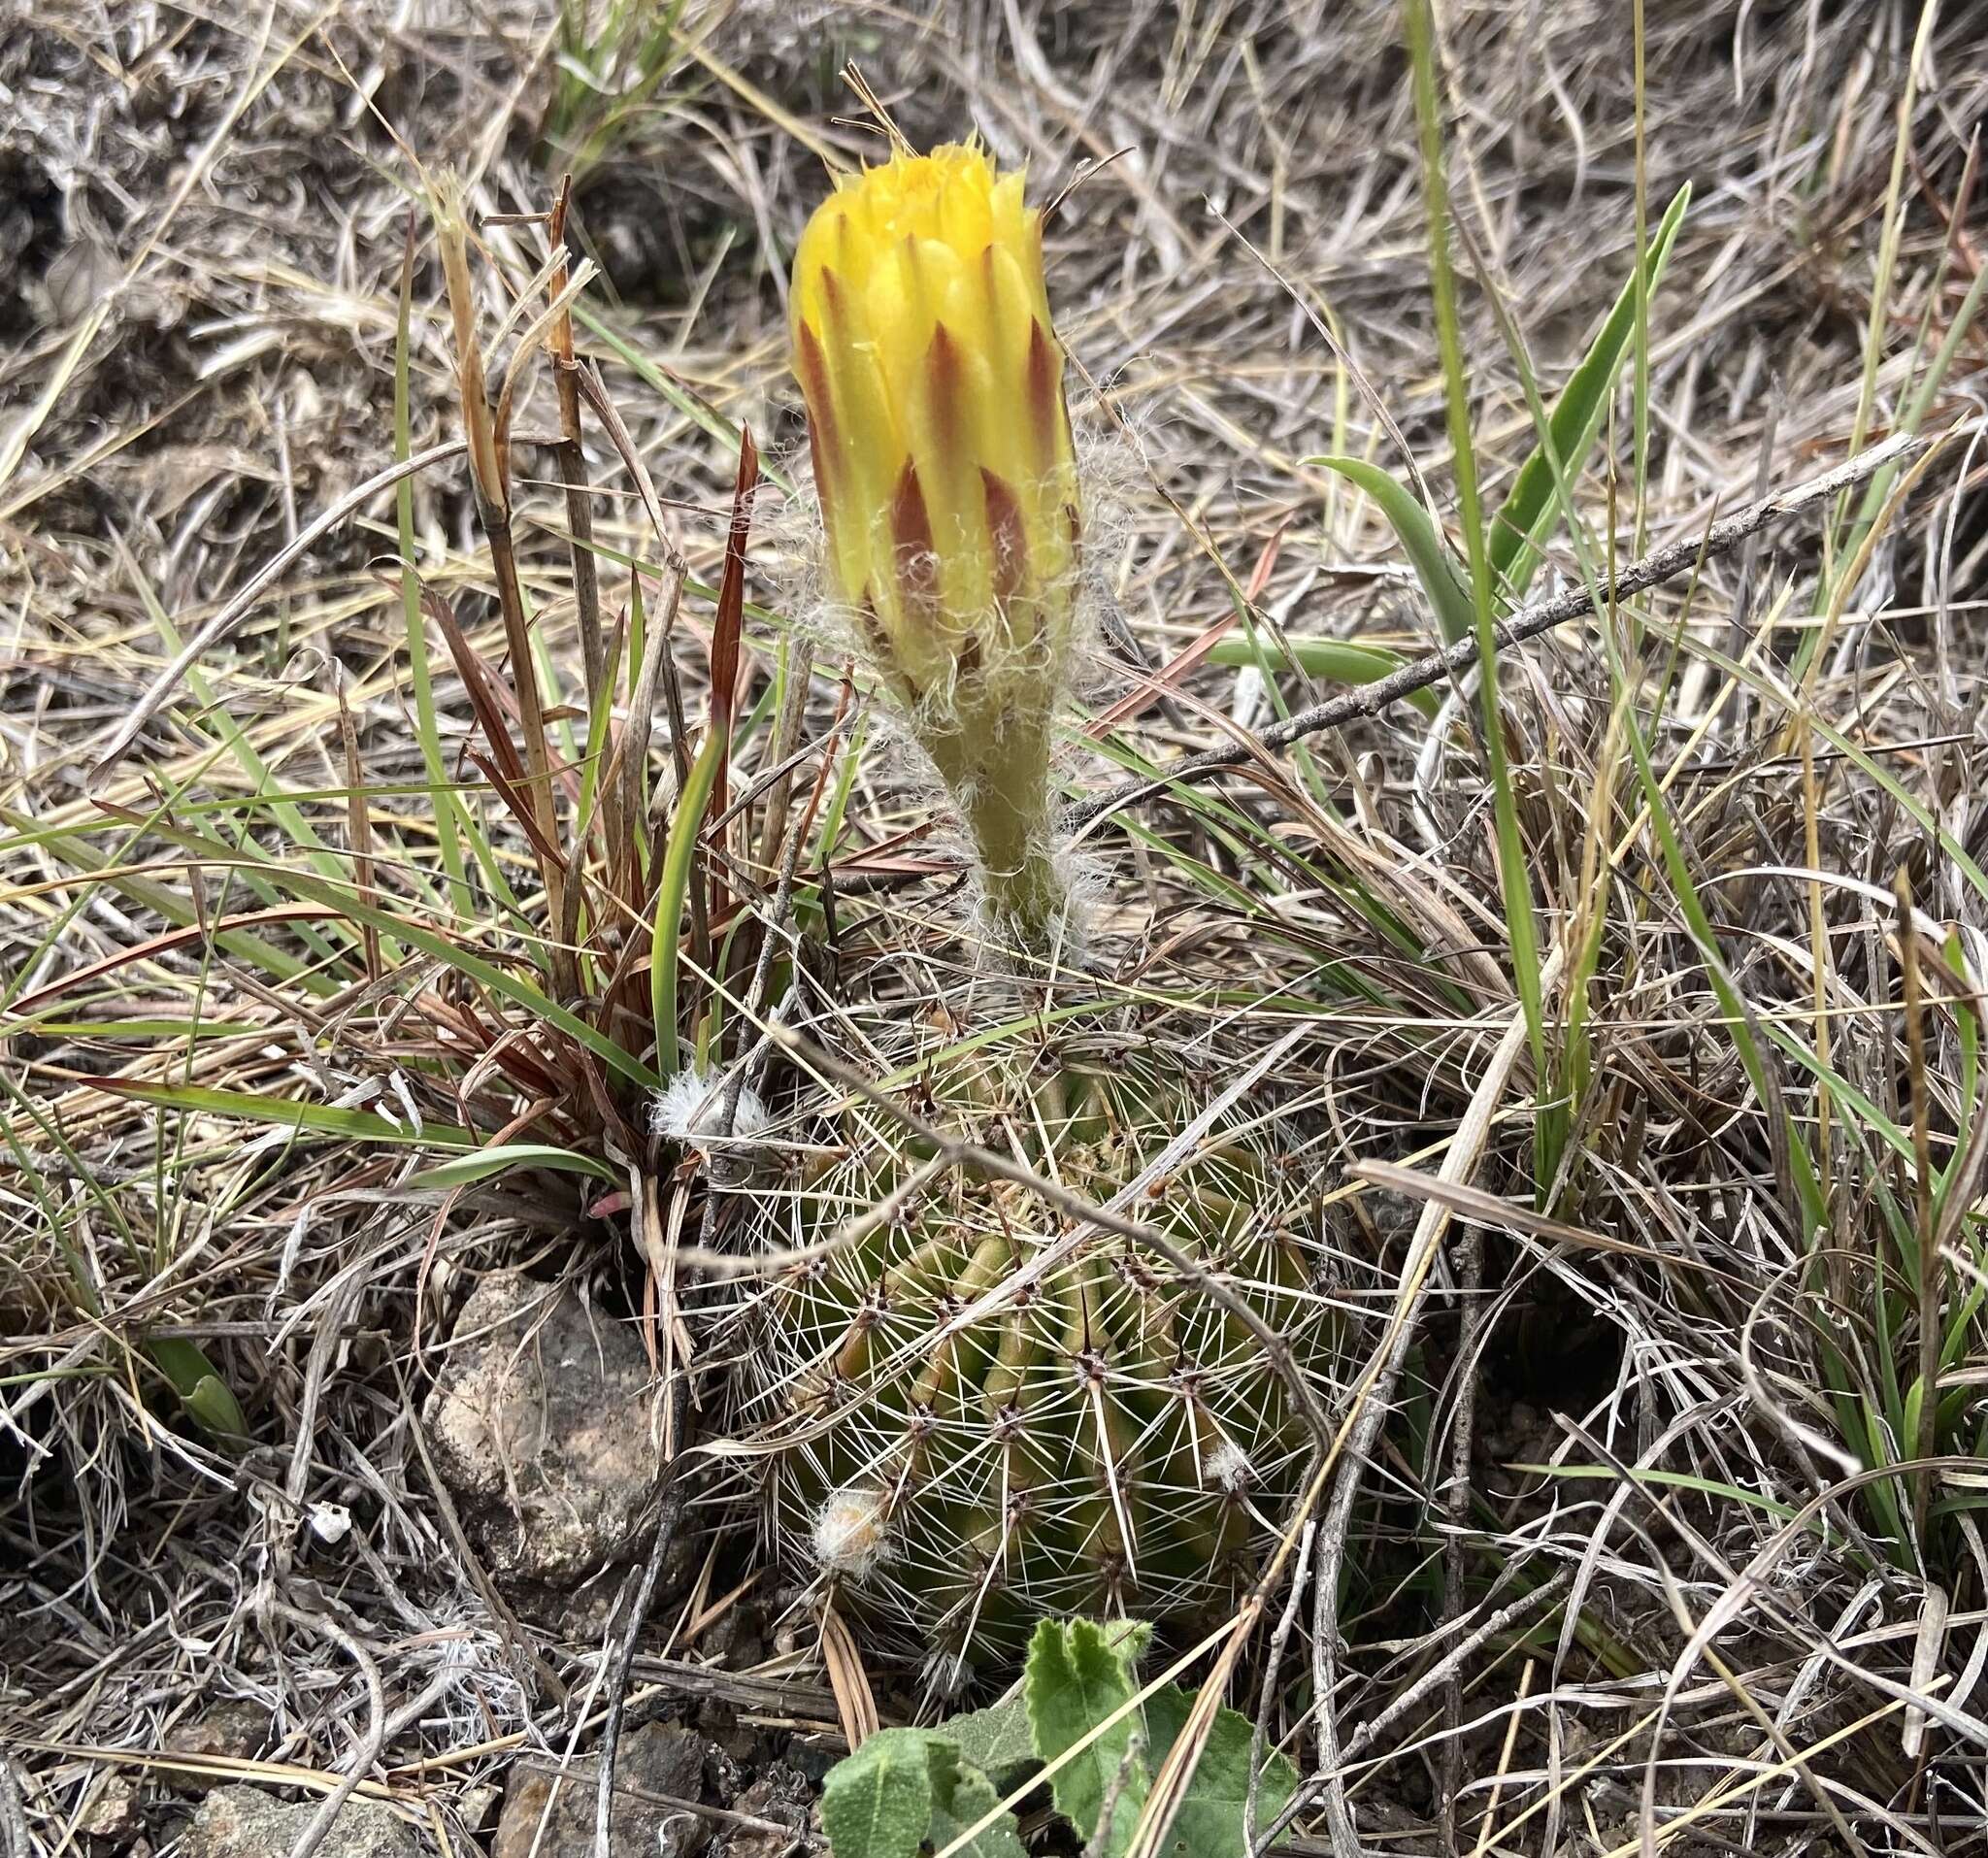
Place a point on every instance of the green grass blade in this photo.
(70, 845)
(490, 975)
(670, 893)
(283, 1113)
(1743, 1025)
(1513, 871)
(502, 1157)
(1526, 516)
(1421, 540)
(1336, 660)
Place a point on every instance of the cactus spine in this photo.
(1098, 1437)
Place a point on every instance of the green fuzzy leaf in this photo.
(1417, 531)
(997, 1741)
(906, 1790)
(1211, 1820)
(1530, 506)
(877, 1803)
(1079, 1674)
(961, 1796)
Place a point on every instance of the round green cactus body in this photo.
(980, 1410)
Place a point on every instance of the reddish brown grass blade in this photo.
(724, 638)
(1134, 702)
(150, 950)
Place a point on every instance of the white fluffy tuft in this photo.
(1227, 1468)
(851, 1535)
(691, 1107)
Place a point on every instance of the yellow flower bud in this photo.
(935, 400)
(943, 459)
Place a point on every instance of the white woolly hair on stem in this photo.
(690, 1108)
(1030, 894)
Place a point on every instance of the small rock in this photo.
(476, 1806)
(655, 1765)
(234, 1730)
(112, 1821)
(244, 1822)
(779, 1797)
(815, 1755)
(537, 1426)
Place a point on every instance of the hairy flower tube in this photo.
(943, 459)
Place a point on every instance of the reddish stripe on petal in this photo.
(812, 365)
(1010, 541)
(832, 303)
(990, 295)
(911, 531)
(947, 387)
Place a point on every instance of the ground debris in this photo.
(537, 1428)
(246, 1822)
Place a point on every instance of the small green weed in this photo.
(1080, 1723)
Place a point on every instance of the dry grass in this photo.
(1633, 1525)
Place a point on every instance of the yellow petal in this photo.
(934, 383)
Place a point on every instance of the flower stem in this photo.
(1001, 783)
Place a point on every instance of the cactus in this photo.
(973, 1416)
(1102, 1439)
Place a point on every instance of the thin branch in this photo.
(1272, 1665)
(1469, 1282)
(1663, 564)
(13, 1834)
(360, 1762)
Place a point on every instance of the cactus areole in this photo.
(963, 1446)
(942, 460)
